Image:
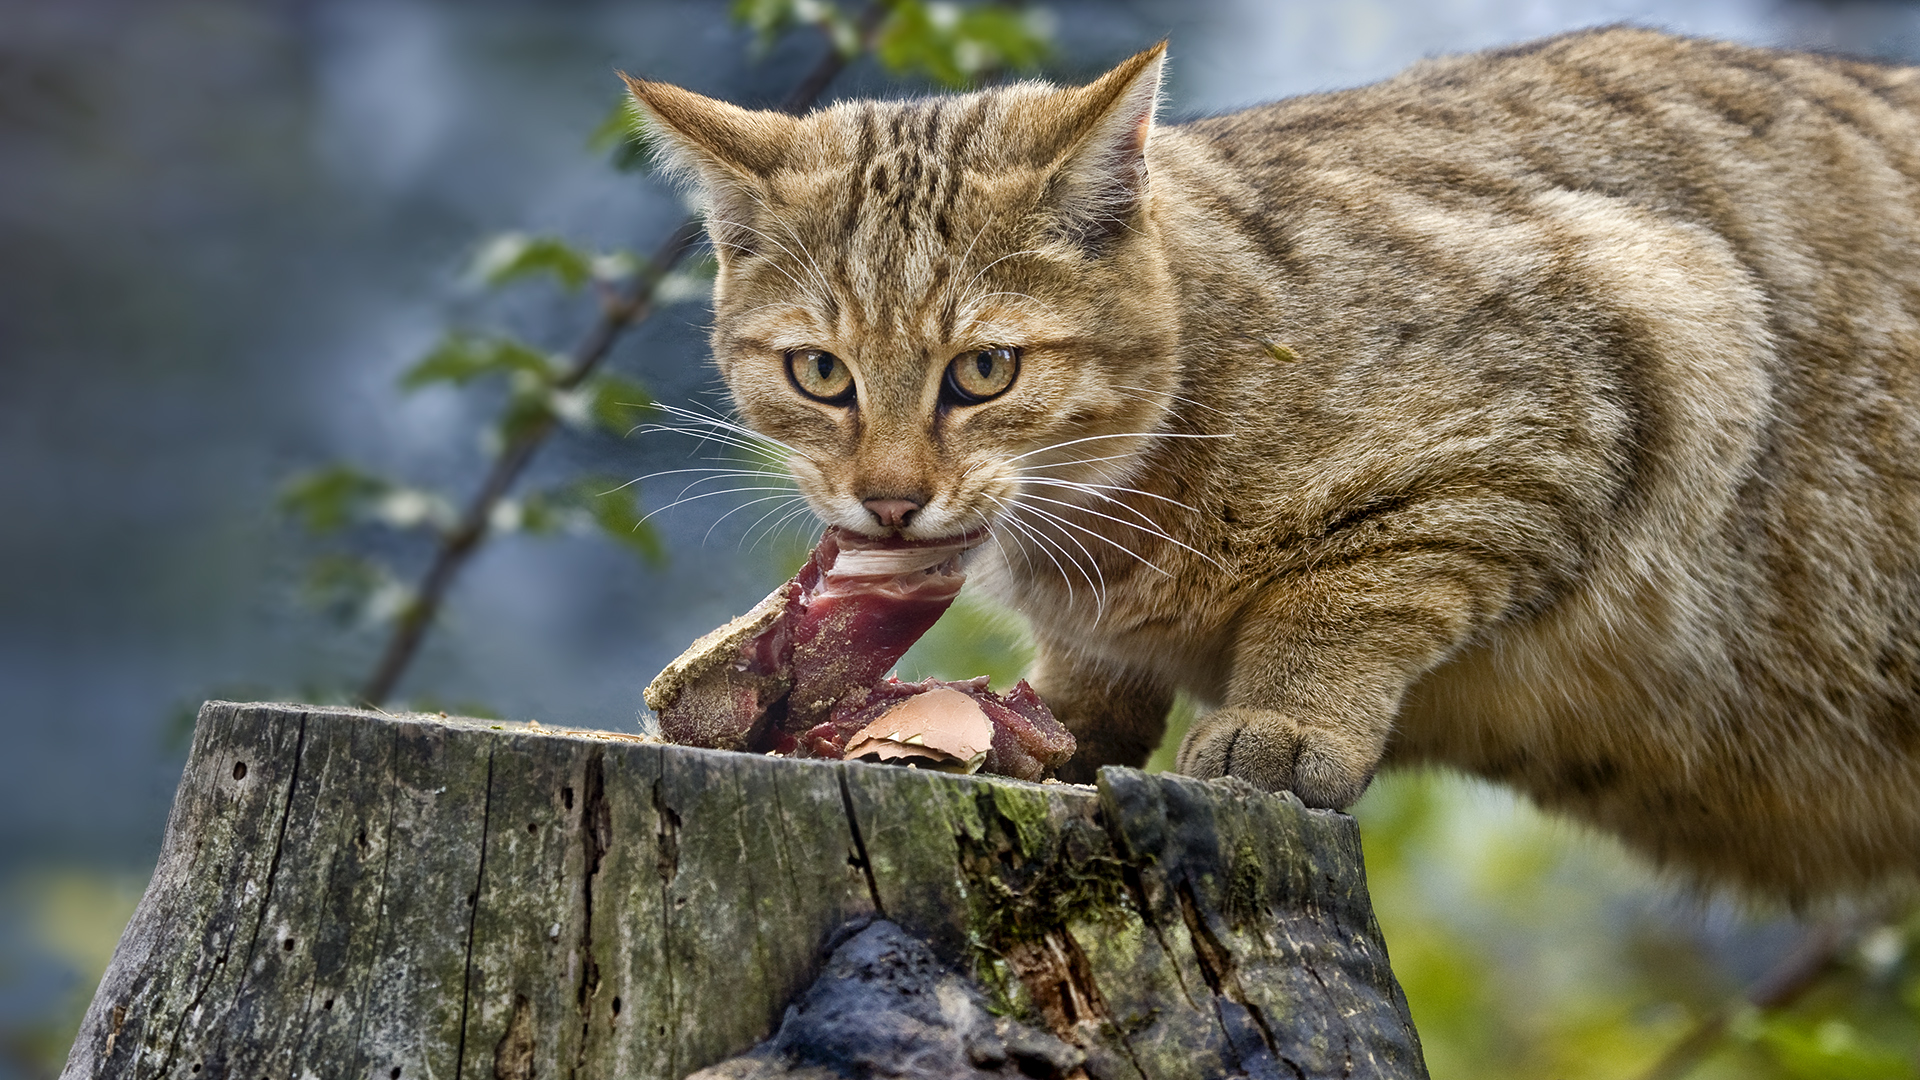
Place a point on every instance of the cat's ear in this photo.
(724, 151)
(1099, 179)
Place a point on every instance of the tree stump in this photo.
(358, 895)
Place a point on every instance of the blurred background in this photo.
(271, 276)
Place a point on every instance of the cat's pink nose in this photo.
(892, 513)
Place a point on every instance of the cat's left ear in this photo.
(1099, 181)
(725, 151)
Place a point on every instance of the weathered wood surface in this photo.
(355, 895)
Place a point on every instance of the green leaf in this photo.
(529, 409)
(461, 358)
(975, 637)
(617, 402)
(617, 512)
(515, 255)
(593, 504)
(332, 498)
(768, 19)
(622, 134)
(956, 45)
(353, 590)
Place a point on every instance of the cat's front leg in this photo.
(1117, 717)
(1321, 664)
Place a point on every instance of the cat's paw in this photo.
(1267, 749)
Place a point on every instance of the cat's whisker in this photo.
(946, 300)
(987, 522)
(761, 520)
(1153, 527)
(706, 436)
(804, 288)
(1079, 485)
(705, 429)
(714, 474)
(1098, 535)
(769, 450)
(723, 422)
(1010, 518)
(748, 474)
(762, 473)
(706, 495)
(1155, 531)
(1070, 486)
(1115, 435)
(1025, 469)
(1174, 396)
(782, 497)
(1088, 571)
(785, 519)
(810, 266)
(780, 485)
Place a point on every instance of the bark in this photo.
(352, 894)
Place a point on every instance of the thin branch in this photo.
(618, 314)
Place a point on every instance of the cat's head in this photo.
(938, 305)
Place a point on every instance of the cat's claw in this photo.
(1270, 751)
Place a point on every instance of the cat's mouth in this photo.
(898, 548)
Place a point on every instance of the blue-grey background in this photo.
(226, 226)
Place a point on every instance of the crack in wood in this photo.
(266, 896)
(596, 836)
(1218, 968)
(859, 856)
(473, 921)
(666, 837)
(392, 786)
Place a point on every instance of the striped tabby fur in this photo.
(1547, 413)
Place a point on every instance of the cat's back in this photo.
(1699, 130)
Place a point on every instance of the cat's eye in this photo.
(978, 374)
(821, 376)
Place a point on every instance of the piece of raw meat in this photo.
(802, 672)
(849, 614)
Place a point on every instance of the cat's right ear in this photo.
(723, 151)
(1100, 173)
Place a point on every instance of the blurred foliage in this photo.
(1531, 947)
(952, 44)
(955, 45)
(975, 637)
(528, 390)
(71, 919)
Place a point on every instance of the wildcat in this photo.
(1549, 413)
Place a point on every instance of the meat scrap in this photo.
(802, 673)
